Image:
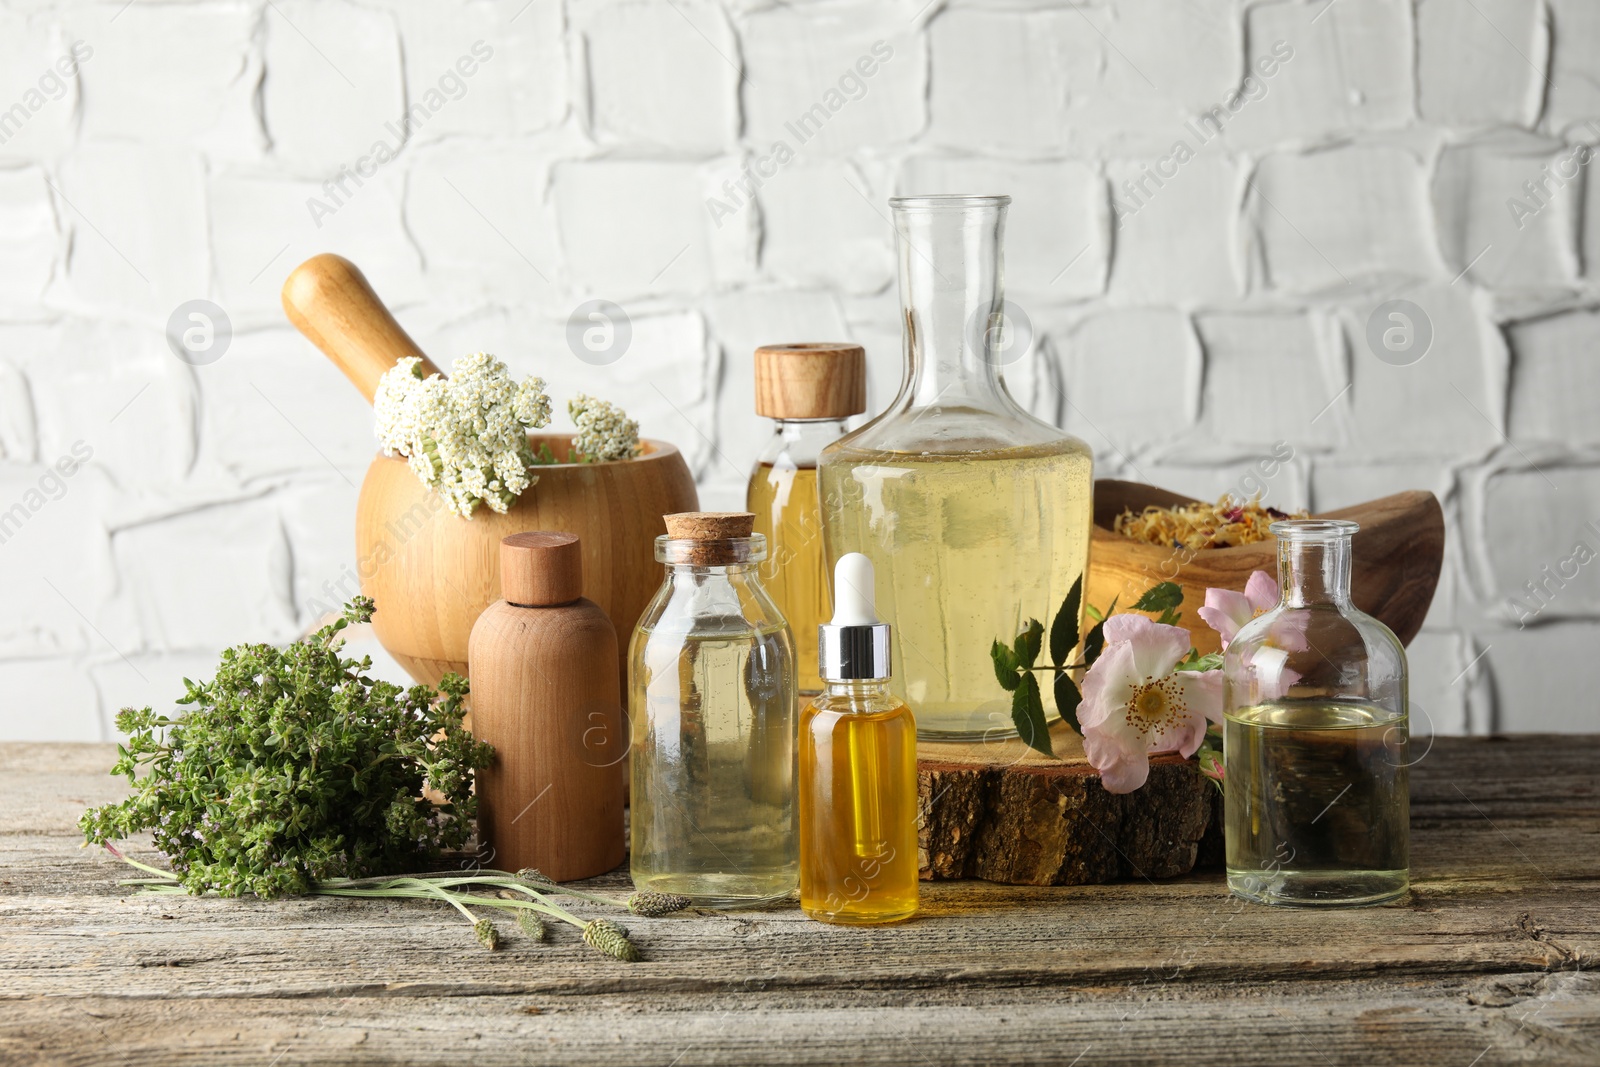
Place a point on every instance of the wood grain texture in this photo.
(1486, 963)
(545, 694)
(431, 572)
(811, 381)
(999, 811)
(540, 568)
(328, 299)
(1397, 554)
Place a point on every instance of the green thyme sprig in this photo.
(292, 767)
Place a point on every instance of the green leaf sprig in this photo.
(292, 767)
(1016, 665)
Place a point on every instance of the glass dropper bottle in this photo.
(858, 770)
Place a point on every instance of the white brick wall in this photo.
(1194, 307)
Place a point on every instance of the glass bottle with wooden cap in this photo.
(1315, 737)
(809, 390)
(712, 708)
(542, 665)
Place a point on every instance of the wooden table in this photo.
(1488, 962)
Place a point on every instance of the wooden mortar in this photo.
(431, 572)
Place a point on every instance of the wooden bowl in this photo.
(431, 572)
(1398, 553)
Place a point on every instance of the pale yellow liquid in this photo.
(967, 547)
(1317, 803)
(713, 802)
(784, 501)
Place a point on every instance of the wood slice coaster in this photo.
(1002, 812)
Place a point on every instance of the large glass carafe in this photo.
(975, 513)
(1315, 737)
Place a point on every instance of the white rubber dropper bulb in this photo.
(854, 593)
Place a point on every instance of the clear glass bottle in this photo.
(712, 709)
(976, 514)
(1315, 737)
(809, 390)
(858, 770)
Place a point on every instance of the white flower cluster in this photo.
(604, 430)
(465, 436)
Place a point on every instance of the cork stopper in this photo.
(713, 532)
(541, 568)
(811, 381)
(709, 525)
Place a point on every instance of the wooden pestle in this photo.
(330, 301)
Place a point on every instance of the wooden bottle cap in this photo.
(811, 381)
(541, 568)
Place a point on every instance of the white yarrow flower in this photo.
(604, 430)
(465, 436)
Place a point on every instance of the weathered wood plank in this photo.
(1485, 960)
(1545, 1019)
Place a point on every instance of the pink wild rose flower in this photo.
(1136, 703)
(1226, 611)
(1266, 667)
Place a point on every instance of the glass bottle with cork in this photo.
(975, 513)
(858, 769)
(712, 706)
(1315, 737)
(809, 390)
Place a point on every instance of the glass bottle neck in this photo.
(824, 431)
(1314, 571)
(798, 443)
(951, 298)
(858, 688)
(680, 572)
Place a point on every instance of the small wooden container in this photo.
(542, 664)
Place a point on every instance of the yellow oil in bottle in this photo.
(1318, 807)
(967, 545)
(858, 806)
(783, 498)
